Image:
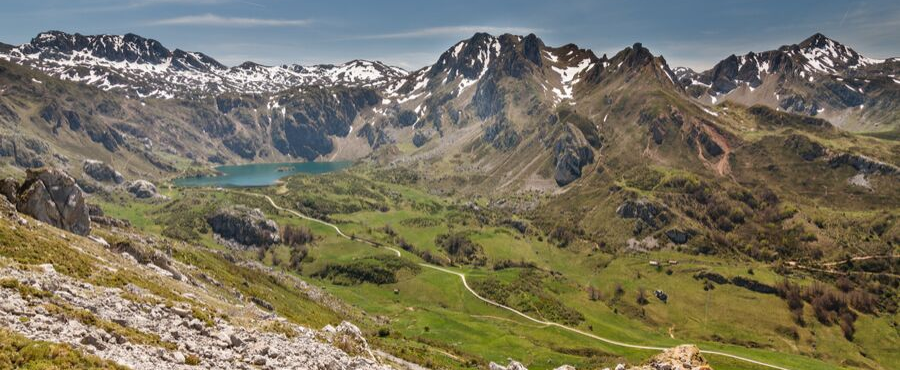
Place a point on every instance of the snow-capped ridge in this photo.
(145, 68)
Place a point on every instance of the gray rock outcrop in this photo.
(51, 196)
(102, 172)
(25, 152)
(678, 236)
(864, 164)
(571, 153)
(642, 209)
(683, 357)
(9, 189)
(216, 344)
(246, 226)
(142, 189)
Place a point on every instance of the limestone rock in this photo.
(678, 236)
(93, 341)
(683, 357)
(244, 225)
(142, 189)
(571, 153)
(644, 210)
(513, 365)
(864, 164)
(102, 172)
(51, 196)
(9, 187)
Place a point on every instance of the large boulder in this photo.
(25, 152)
(678, 236)
(51, 196)
(683, 357)
(643, 210)
(142, 189)
(570, 154)
(102, 172)
(245, 226)
(513, 365)
(9, 187)
(347, 337)
(864, 164)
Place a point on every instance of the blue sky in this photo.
(412, 34)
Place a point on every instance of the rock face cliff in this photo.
(246, 226)
(102, 172)
(51, 196)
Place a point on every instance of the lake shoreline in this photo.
(258, 174)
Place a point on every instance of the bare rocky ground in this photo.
(684, 357)
(217, 345)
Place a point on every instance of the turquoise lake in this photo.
(259, 174)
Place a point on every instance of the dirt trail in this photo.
(860, 258)
(507, 308)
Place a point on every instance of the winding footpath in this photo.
(493, 303)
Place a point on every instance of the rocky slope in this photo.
(128, 301)
(683, 357)
(47, 121)
(52, 196)
(185, 341)
(517, 112)
(817, 77)
(503, 115)
(520, 113)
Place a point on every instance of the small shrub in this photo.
(846, 323)
(863, 301)
(296, 235)
(844, 284)
(192, 360)
(460, 249)
(642, 297)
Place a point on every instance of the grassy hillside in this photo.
(426, 316)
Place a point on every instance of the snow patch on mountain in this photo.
(568, 78)
(145, 68)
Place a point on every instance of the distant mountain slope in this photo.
(48, 121)
(494, 113)
(142, 67)
(817, 77)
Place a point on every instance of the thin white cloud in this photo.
(128, 5)
(220, 21)
(451, 31)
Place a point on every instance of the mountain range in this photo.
(498, 100)
(817, 77)
(551, 174)
(143, 67)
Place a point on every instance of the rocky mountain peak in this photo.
(195, 60)
(820, 54)
(468, 58)
(118, 48)
(636, 59)
(143, 67)
(635, 56)
(817, 40)
(531, 48)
